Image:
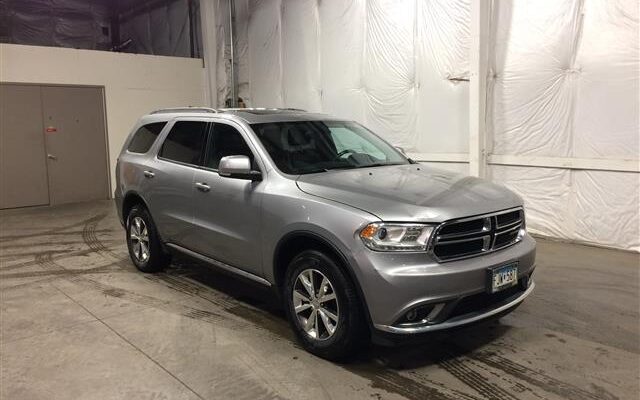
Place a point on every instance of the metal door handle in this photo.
(203, 187)
(149, 174)
(51, 157)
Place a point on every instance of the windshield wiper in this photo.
(337, 167)
(316, 170)
(342, 167)
(378, 165)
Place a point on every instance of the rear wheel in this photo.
(323, 307)
(145, 248)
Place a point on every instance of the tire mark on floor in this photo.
(185, 286)
(91, 240)
(56, 243)
(92, 221)
(539, 379)
(54, 231)
(22, 255)
(460, 370)
(49, 264)
(393, 382)
(175, 280)
(54, 274)
(56, 257)
(178, 283)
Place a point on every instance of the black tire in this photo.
(157, 259)
(351, 333)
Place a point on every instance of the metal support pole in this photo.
(192, 43)
(114, 20)
(208, 12)
(232, 25)
(478, 65)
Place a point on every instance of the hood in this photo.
(412, 192)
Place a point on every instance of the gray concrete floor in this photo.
(77, 321)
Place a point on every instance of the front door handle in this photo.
(51, 157)
(149, 174)
(203, 187)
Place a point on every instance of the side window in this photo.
(185, 142)
(145, 136)
(226, 141)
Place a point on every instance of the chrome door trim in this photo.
(220, 264)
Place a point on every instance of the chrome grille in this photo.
(473, 236)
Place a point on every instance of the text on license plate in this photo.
(504, 277)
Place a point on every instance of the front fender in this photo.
(333, 223)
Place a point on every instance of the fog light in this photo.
(412, 315)
(418, 315)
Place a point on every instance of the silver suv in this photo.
(359, 241)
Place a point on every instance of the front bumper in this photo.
(394, 284)
(465, 319)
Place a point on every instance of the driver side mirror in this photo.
(238, 167)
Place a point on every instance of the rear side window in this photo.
(185, 142)
(145, 136)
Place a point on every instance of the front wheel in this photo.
(323, 307)
(143, 242)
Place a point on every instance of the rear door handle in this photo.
(149, 174)
(203, 187)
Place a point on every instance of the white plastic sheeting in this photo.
(565, 78)
(216, 50)
(599, 207)
(563, 82)
(385, 63)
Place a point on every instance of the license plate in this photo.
(503, 277)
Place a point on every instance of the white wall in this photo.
(134, 84)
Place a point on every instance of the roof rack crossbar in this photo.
(185, 109)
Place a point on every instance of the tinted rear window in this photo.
(145, 136)
(185, 142)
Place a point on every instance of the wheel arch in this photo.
(131, 199)
(295, 242)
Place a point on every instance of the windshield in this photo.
(303, 147)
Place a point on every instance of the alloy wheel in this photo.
(315, 304)
(139, 237)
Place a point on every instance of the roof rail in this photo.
(185, 109)
(261, 108)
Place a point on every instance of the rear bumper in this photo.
(117, 196)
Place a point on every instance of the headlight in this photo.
(382, 236)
